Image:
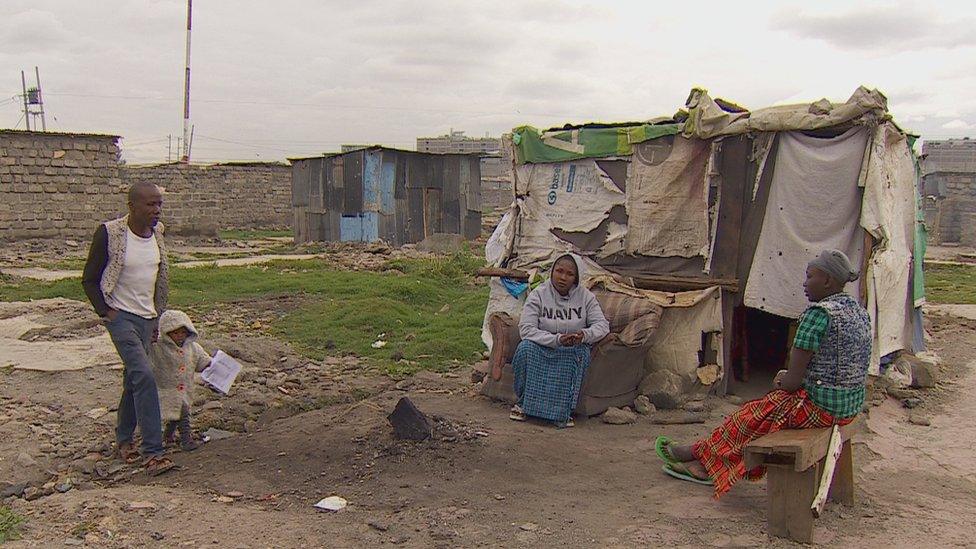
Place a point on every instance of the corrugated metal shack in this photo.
(379, 193)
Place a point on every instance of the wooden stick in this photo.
(833, 453)
(651, 282)
(498, 271)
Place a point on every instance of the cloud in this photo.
(299, 77)
(958, 125)
(889, 29)
(32, 31)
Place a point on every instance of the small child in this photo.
(175, 357)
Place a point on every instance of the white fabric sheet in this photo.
(888, 213)
(814, 204)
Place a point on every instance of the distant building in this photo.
(350, 148)
(496, 161)
(949, 183)
(949, 155)
(458, 143)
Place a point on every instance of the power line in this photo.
(143, 142)
(299, 143)
(262, 147)
(330, 106)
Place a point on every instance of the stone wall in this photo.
(496, 193)
(199, 200)
(55, 185)
(952, 214)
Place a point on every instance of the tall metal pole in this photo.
(40, 97)
(23, 83)
(186, 87)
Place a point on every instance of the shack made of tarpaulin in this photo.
(721, 198)
(378, 193)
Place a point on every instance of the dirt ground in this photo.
(303, 430)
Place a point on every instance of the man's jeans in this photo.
(132, 336)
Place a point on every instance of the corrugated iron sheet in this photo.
(399, 196)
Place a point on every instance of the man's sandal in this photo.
(158, 465)
(126, 451)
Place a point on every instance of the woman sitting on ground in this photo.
(823, 385)
(560, 321)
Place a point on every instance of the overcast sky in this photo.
(299, 77)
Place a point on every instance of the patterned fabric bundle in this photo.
(721, 452)
(632, 318)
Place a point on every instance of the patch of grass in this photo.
(359, 393)
(23, 289)
(457, 267)
(430, 310)
(81, 529)
(72, 264)
(237, 234)
(430, 316)
(10, 524)
(950, 284)
(200, 256)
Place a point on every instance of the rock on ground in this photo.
(619, 416)
(925, 372)
(408, 422)
(664, 388)
(643, 405)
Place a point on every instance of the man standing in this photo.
(126, 280)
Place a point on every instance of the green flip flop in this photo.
(686, 475)
(660, 447)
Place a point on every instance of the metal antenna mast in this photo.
(23, 83)
(186, 87)
(32, 96)
(40, 99)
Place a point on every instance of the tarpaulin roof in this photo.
(535, 146)
(705, 118)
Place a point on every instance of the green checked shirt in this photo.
(841, 402)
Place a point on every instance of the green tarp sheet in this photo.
(533, 146)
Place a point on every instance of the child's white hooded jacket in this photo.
(174, 366)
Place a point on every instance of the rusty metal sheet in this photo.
(451, 181)
(300, 225)
(333, 189)
(299, 183)
(314, 166)
(402, 215)
(400, 186)
(415, 217)
(471, 185)
(472, 225)
(353, 183)
(419, 174)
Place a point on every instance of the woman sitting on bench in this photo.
(559, 323)
(823, 385)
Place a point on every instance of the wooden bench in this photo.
(795, 460)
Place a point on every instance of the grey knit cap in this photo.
(836, 265)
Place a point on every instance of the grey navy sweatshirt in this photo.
(547, 314)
